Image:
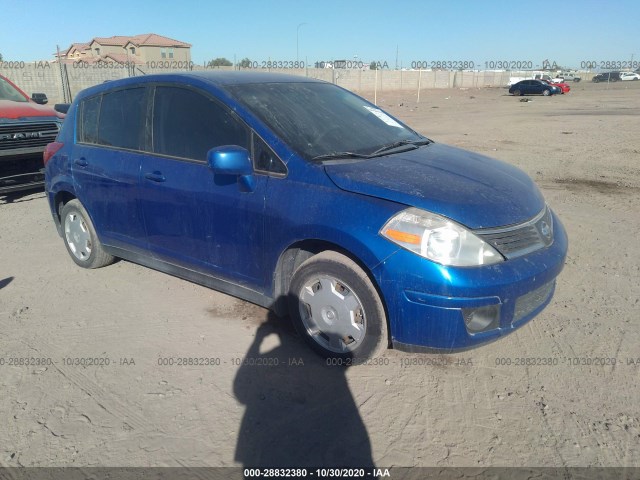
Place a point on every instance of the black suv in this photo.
(606, 77)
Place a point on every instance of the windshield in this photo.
(8, 92)
(319, 119)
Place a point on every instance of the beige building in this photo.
(139, 49)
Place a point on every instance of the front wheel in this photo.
(516, 93)
(546, 92)
(80, 237)
(336, 308)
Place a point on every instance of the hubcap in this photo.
(332, 314)
(77, 236)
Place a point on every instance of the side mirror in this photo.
(40, 98)
(62, 107)
(233, 160)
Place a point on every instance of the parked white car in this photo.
(629, 76)
(569, 76)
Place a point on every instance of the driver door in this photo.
(193, 217)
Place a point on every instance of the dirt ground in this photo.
(562, 391)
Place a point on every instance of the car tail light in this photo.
(50, 150)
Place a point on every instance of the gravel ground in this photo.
(562, 391)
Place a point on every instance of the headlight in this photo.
(439, 239)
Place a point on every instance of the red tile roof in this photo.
(79, 46)
(116, 40)
(153, 39)
(122, 58)
(150, 39)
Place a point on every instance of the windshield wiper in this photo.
(334, 155)
(401, 143)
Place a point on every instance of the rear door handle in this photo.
(81, 162)
(155, 176)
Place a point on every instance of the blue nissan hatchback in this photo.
(300, 196)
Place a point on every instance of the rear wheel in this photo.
(336, 308)
(80, 237)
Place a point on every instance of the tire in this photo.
(336, 309)
(80, 237)
(595, 80)
(546, 92)
(517, 93)
(576, 80)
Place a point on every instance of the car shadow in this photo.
(22, 196)
(299, 409)
(5, 281)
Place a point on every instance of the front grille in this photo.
(528, 302)
(21, 135)
(518, 240)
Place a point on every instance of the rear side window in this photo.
(88, 131)
(187, 124)
(122, 119)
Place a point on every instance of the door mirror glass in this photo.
(230, 160)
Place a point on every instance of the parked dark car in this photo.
(533, 87)
(606, 77)
(300, 196)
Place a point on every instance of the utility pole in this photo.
(298, 40)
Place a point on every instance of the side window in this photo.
(122, 119)
(89, 111)
(265, 160)
(188, 124)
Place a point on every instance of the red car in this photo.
(564, 87)
(26, 126)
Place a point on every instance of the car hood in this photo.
(16, 110)
(471, 189)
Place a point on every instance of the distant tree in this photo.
(0, 57)
(245, 62)
(219, 62)
(373, 66)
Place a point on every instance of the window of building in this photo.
(97, 51)
(171, 52)
(132, 50)
(187, 124)
(163, 52)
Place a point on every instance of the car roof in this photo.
(246, 77)
(220, 79)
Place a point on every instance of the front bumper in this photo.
(426, 302)
(21, 173)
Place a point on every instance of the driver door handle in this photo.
(155, 176)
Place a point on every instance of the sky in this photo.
(567, 32)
